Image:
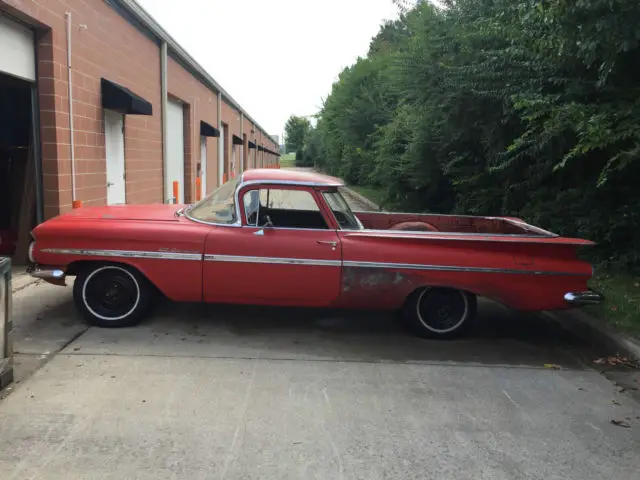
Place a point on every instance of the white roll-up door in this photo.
(17, 50)
(175, 149)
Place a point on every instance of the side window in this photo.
(285, 208)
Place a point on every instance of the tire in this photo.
(439, 312)
(112, 295)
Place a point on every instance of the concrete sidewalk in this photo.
(20, 279)
(203, 392)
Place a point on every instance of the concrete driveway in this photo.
(205, 392)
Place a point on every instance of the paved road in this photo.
(206, 392)
(241, 393)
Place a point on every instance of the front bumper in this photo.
(589, 297)
(53, 275)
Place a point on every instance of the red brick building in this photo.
(143, 114)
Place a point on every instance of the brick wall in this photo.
(201, 105)
(103, 45)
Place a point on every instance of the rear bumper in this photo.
(55, 275)
(589, 297)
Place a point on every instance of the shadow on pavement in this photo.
(499, 337)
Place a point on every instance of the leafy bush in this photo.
(524, 108)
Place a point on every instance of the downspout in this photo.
(242, 137)
(221, 158)
(165, 127)
(74, 203)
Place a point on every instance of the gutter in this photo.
(148, 21)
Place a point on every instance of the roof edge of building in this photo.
(144, 17)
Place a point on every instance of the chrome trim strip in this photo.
(325, 230)
(477, 237)
(296, 261)
(272, 260)
(291, 183)
(125, 254)
(451, 268)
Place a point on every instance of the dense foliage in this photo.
(295, 131)
(520, 107)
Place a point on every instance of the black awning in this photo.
(237, 140)
(252, 144)
(121, 99)
(207, 130)
(260, 148)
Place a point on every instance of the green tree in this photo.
(488, 107)
(295, 130)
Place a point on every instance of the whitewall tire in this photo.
(112, 295)
(439, 312)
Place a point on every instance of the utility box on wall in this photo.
(6, 324)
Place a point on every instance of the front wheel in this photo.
(112, 295)
(439, 312)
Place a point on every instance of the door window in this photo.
(283, 208)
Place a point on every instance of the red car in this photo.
(289, 238)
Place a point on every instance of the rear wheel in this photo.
(439, 312)
(112, 295)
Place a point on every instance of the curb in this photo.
(596, 332)
(361, 198)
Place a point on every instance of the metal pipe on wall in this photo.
(165, 127)
(220, 139)
(71, 130)
(242, 146)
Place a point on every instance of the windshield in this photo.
(217, 207)
(340, 208)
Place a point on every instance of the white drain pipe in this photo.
(167, 194)
(221, 159)
(71, 131)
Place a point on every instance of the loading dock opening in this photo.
(18, 172)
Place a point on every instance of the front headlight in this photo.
(32, 246)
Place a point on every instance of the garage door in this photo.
(17, 53)
(175, 149)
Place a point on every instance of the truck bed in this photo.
(456, 224)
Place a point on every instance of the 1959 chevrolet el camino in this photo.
(278, 237)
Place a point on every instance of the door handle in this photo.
(328, 242)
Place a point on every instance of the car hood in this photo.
(152, 212)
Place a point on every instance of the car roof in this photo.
(291, 176)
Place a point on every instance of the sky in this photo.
(274, 57)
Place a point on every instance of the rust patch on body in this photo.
(357, 279)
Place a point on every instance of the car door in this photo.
(295, 260)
